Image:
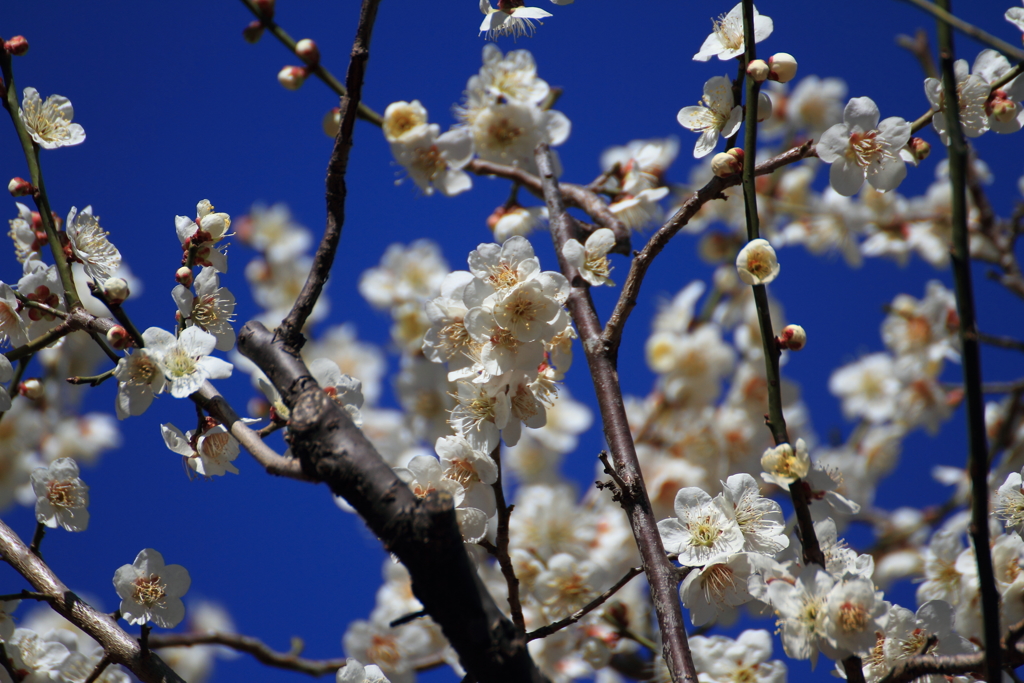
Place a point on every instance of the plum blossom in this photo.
(592, 258)
(434, 160)
(213, 452)
(703, 528)
(717, 114)
(719, 659)
(90, 245)
(151, 591)
(510, 19)
(49, 122)
(972, 95)
(211, 309)
(757, 263)
(726, 39)
(784, 464)
(354, 672)
(862, 147)
(185, 361)
(62, 499)
(204, 233)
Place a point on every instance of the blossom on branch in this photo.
(49, 122)
(717, 114)
(726, 39)
(151, 591)
(862, 147)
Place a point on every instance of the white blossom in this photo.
(726, 40)
(862, 147)
(151, 591)
(62, 499)
(717, 114)
(90, 245)
(49, 122)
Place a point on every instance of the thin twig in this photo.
(601, 359)
(290, 329)
(501, 547)
(545, 631)
(253, 646)
(321, 72)
(944, 17)
(1001, 342)
(918, 46)
(660, 239)
(98, 671)
(977, 461)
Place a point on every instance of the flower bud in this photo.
(116, 290)
(266, 8)
(118, 338)
(292, 77)
(792, 337)
(919, 148)
(332, 122)
(758, 70)
(764, 106)
(19, 187)
(183, 276)
(253, 32)
(307, 51)
(1001, 108)
(724, 164)
(783, 67)
(16, 46)
(31, 389)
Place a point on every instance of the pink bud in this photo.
(31, 389)
(1001, 108)
(118, 338)
(783, 67)
(253, 32)
(19, 187)
(16, 46)
(792, 337)
(919, 148)
(183, 276)
(308, 52)
(758, 70)
(292, 77)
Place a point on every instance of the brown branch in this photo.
(291, 327)
(601, 359)
(317, 69)
(210, 400)
(1001, 342)
(659, 240)
(545, 631)
(959, 24)
(576, 196)
(423, 534)
(977, 458)
(501, 547)
(253, 646)
(918, 46)
(119, 647)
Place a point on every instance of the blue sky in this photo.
(178, 108)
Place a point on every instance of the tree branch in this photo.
(977, 460)
(601, 359)
(253, 646)
(119, 647)
(545, 631)
(659, 240)
(423, 534)
(291, 327)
